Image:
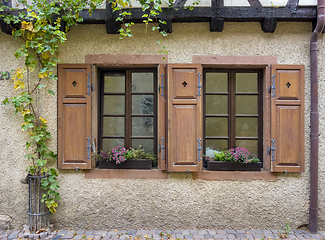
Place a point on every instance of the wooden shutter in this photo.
(162, 76)
(287, 118)
(185, 117)
(74, 116)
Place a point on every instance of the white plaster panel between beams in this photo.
(237, 3)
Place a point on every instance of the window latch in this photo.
(199, 86)
(199, 149)
(271, 150)
(272, 88)
(162, 148)
(162, 86)
(88, 147)
(89, 86)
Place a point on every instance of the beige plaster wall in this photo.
(179, 201)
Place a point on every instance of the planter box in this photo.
(128, 164)
(233, 166)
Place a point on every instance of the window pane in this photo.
(250, 145)
(114, 83)
(246, 82)
(214, 145)
(216, 104)
(216, 82)
(113, 126)
(246, 104)
(109, 143)
(216, 126)
(114, 104)
(142, 126)
(142, 82)
(146, 144)
(246, 127)
(142, 104)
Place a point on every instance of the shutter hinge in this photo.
(199, 86)
(161, 148)
(272, 88)
(88, 148)
(162, 86)
(271, 150)
(199, 149)
(89, 86)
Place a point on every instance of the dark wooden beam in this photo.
(269, 25)
(112, 26)
(168, 27)
(216, 24)
(204, 14)
(255, 3)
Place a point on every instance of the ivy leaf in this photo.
(51, 92)
(5, 102)
(41, 86)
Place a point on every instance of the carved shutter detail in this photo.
(287, 118)
(184, 118)
(74, 116)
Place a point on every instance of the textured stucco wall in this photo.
(179, 201)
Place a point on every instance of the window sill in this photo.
(159, 174)
(126, 173)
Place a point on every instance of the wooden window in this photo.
(128, 112)
(233, 111)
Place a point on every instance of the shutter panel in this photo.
(184, 113)
(162, 117)
(287, 118)
(74, 116)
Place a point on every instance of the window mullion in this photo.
(232, 109)
(128, 110)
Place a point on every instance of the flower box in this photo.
(233, 166)
(129, 164)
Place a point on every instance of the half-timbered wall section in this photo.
(267, 12)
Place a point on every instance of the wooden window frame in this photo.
(232, 107)
(207, 61)
(128, 106)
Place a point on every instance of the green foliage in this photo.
(286, 230)
(219, 156)
(38, 24)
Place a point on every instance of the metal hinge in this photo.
(162, 86)
(162, 148)
(89, 86)
(199, 86)
(88, 148)
(272, 88)
(271, 150)
(199, 149)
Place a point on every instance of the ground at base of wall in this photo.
(165, 234)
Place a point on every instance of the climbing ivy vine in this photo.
(42, 25)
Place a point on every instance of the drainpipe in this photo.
(314, 118)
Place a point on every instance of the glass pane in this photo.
(142, 82)
(246, 104)
(216, 82)
(215, 145)
(114, 104)
(146, 144)
(216, 126)
(246, 82)
(113, 126)
(246, 127)
(142, 126)
(250, 145)
(216, 104)
(142, 104)
(109, 143)
(114, 82)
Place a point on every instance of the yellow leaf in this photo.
(45, 55)
(43, 120)
(41, 75)
(20, 75)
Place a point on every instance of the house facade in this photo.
(239, 85)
